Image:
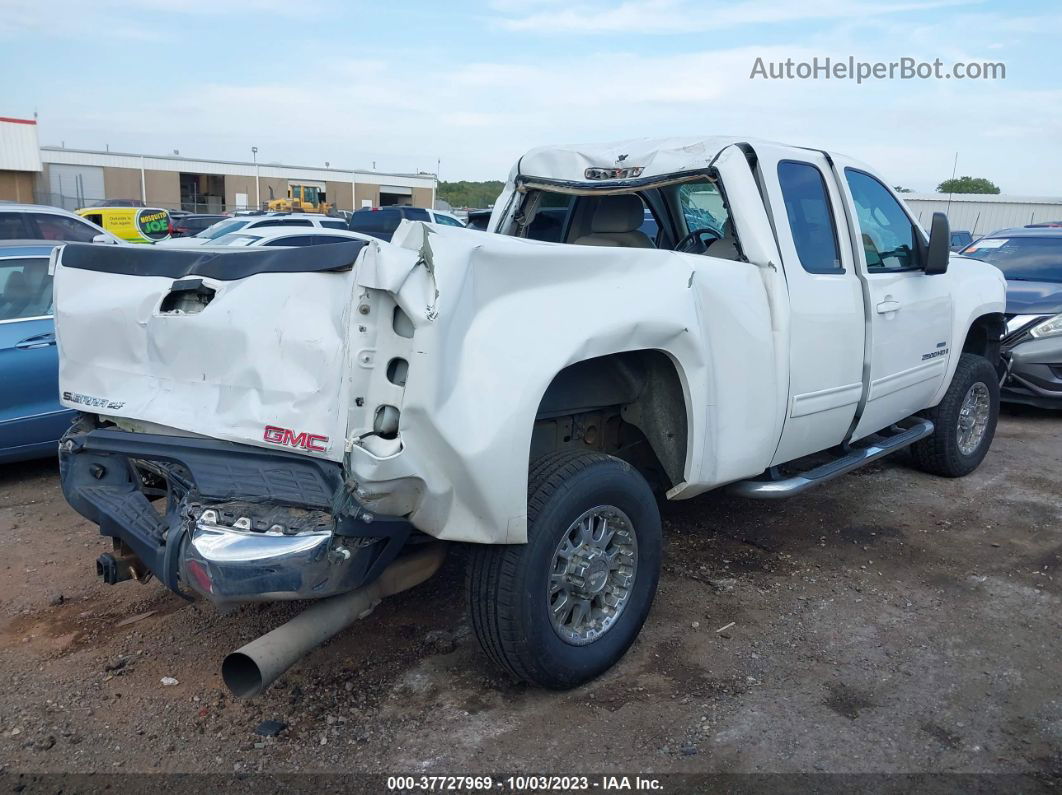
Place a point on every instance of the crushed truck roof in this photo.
(632, 159)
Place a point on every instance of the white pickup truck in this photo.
(649, 318)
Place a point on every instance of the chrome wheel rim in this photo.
(592, 575)
(973, 418)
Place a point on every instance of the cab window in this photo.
(889, 237)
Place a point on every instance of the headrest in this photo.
(618, 214)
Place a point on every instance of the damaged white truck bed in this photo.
(645, 317)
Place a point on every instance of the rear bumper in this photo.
(230, 522)
(1035, 373)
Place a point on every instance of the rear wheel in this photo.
(965, 421)
(564, 607)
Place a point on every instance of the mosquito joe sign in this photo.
(153, 224)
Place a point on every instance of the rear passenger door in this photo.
(827, 323)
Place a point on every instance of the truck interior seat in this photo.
(726, 246)
(615, 223)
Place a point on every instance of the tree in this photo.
(968, 185)
(470, 194)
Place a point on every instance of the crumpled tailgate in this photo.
(218, 345)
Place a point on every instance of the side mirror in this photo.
(101, 239)
(939, 250)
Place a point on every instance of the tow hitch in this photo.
(121, 564)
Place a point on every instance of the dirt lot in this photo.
(889, 621)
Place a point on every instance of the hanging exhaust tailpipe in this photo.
(251, 669)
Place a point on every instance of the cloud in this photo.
(480, 117)
(641, 17)
(136, 20)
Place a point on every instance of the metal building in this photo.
(981, 213)
(20, 159)
(75, 178)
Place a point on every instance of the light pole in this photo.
(257, 190)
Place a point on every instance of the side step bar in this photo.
(761, 489)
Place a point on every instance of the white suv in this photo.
(245, 223)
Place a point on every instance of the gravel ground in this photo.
(887, 622)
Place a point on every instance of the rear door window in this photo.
(282, 222)
(294, 240)
(57, 227)
(13, 227)
(810, 215)
(380, 223)
(25, 288)
(416, 214)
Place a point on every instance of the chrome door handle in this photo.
(888, 305)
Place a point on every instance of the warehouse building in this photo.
(20, 159)
(980, 213)
(74, 178)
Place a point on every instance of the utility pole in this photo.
(257, 188)
(143, 183)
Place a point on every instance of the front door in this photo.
(910, 313)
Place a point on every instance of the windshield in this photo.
(223, 228)
(702, 206)
(1027, 259)
(237, 239)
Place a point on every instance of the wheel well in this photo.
(630, 405)
(985, 335)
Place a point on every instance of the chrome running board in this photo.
(776, 489)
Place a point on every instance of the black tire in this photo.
(939, 453)
(508, 585)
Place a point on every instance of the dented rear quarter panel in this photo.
(509, 315)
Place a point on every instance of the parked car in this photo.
(331, 411)
(960, 239)
(40, 222)
(284, 236)
(478, 219)
(381, 222)
(31, 417)
(131, 224)
(190, 224)
(1031, 260)
(119, 203)
(248, 222)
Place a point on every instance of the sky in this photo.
(466, 87)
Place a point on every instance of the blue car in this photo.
(31, 419)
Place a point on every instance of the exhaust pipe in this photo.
(252, 668)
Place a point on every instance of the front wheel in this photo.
(564, 607)
(965, 421)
